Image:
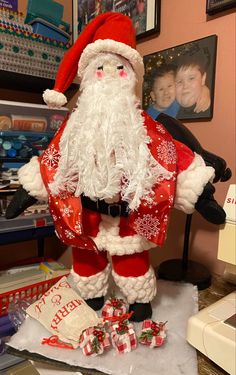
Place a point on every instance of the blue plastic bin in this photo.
(49, 10)
(49, 30)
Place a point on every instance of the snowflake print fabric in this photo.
(151, 218)
(167, 152)
(65, 208)
(69, 234)
(160, 128)
(51, 157)
(147, 226)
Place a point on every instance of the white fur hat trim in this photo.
(54, 99)
(110, 46)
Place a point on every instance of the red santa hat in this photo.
(108, 32)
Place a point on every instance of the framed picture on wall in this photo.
(180, 80)
(146, 17)
(215, 6)
(145, 14)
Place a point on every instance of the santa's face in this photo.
(109, 69)
(104, 145)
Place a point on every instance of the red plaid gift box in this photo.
(93, 341)
(114, 307)
(153, 334)
(123, 337)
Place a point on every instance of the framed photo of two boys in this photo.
(179, 81)
(145, 14)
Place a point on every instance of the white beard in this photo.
(103, 148)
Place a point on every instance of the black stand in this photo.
(184, 269)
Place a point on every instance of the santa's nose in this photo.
(110, 69)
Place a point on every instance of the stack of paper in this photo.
(18, 280)
(54, 269)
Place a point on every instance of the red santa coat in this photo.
(75, 225)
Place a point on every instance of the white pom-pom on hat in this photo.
(109, 32)
(54, 99)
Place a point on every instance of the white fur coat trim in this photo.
(93, 286)
(137, 289)
(112, 46)
(190, 184)
(109, 239)
(30, 178)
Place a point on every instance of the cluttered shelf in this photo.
(25, 131)
(31, 49)
(35, 224)
(32, 46)
(18, 81)
(27, 228)
(31, 280)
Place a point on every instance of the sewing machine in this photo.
(212, 331)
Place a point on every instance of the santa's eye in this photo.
(100, 67)
(120, 67)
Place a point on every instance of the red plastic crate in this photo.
(32, 292)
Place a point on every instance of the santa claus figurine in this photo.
(111, 174)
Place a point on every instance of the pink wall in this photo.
(180, 24)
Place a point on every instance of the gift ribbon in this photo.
(118, 318)
(54, 341)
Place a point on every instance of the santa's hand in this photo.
(20, 201)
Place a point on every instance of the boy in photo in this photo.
(190, 82)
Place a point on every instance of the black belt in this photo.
(114, 209)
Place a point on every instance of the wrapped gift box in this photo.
(153, 334)
(123, 336)
(94, 341)
(114, 307)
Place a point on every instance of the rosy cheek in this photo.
(123, 74)
(99, 74)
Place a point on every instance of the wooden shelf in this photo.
(14, 160)
(24, 82)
